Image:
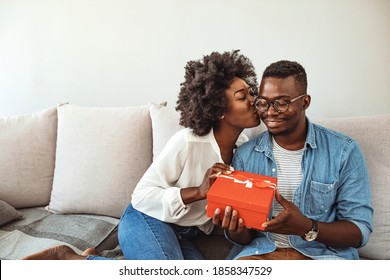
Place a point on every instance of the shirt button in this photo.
(273, 169)
(257, 252)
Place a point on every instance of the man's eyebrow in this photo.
(277, 97)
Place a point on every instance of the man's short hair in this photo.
(284, 69)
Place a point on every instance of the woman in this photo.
(168, 204)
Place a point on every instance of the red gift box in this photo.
(250, 194)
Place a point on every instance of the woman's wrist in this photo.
(191, 194)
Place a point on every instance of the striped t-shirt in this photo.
(290, 176)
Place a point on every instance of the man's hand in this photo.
(338, 234)
(289, 221)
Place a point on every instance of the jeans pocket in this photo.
(185, 232)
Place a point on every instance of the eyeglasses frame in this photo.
(269, 103)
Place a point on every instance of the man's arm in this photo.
(336, 234)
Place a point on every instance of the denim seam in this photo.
(154, 235)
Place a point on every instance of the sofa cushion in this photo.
(101, 155)
(8, 213)
(372, 134)
(165, 122)
(27, 154)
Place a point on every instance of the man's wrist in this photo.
(312, 233)
(306, 226)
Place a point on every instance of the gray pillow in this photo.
(8, 213)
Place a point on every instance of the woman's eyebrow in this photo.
(241, 89)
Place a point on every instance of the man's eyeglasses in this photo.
(279, 105)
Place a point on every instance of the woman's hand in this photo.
(211, 175)
(230, 220)
(233, 225)
(193, 194)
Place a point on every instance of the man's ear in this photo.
(306, 102)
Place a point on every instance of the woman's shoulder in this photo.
(242, 138)
(186, 135)
(180, 134)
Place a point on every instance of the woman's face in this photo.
(240, 111)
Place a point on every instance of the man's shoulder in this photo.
(333, 140)
(331, 134)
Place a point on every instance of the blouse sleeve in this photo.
(156, 193)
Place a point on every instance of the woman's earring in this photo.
(222, 117)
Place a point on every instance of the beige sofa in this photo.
(67, 174)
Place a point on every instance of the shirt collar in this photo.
(311, 136)
(264, 142)
(214, 144)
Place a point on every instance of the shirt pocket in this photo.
(321, 198)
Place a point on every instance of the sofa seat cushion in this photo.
(39, 230)
(101, 155)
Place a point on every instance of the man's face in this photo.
(288, 122)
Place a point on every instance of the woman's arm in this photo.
(156, 193)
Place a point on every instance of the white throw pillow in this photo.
(27, 154)
(165, 122)
(101, 155)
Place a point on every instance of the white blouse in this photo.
(182, 163)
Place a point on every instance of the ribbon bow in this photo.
(249, 182)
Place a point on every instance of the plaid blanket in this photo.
(39, 230)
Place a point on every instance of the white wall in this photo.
(127, 52)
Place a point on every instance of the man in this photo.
(322, 207)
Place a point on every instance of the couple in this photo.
(322, 207)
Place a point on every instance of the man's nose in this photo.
(271, 110)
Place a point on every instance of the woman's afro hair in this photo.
(202, 100)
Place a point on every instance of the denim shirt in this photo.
(335, 186)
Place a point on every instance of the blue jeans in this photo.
(142, 237)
